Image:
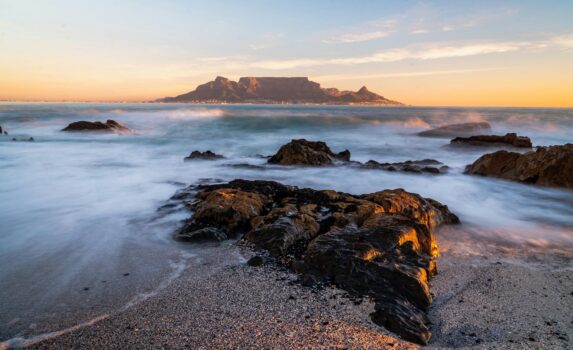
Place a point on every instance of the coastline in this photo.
(490, 300)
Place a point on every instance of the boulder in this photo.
(430, 166)
(108, 126)
(509, 139)
(455, 130)
(207, 155)
(203, 234)
(379, 245)
(547, 166)
(303, 152)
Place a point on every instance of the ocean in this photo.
(81, 237)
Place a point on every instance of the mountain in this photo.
(276, 90)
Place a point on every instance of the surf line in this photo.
(177, 270)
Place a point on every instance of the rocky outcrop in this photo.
(547, 166)
(303, 152)
(3, 131)
(29, 139)
(276, 90)
(455, 130)
(207, 155)
(509, 139)
(108, 126)
(379, 245)
(430, 166)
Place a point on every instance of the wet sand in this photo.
(493, 300)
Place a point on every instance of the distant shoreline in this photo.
(285, 104)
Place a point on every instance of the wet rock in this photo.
(203, 234)
(303, 152)
(255, 261)
(379, 245)
(109, 126)
(30, 139)
(455, 130)
(2, 131)
(547, 166)
(246, 166)
(411, 166)
(510, 139)
(207, 155)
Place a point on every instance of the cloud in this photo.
(420, 31)
(353, 38)
(337, 77)
(564, 41)
(419, 52)
(370, 31)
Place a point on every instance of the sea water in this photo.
(80, 234)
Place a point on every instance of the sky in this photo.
(441, 53)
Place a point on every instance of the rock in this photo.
(303, 152)
(30, 139)
(1, 130)
(108, 126)
(207, 155)
(203, 234)
(255, 261)
(379, 245)
(510, 139)
(411, 166)
(454, 130)
(547, 166)
(246, 166)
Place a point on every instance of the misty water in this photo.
(80, 235)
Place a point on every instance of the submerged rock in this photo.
(109, 126)
(207, 155)
(379, 245)
(303, 152)
(548, 166)
(411, 166)
(509, 139)
(30, 139)
(454, 130)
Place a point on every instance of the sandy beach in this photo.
(493, 300)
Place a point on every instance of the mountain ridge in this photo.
(275, 90)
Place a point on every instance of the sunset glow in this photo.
(479, 53)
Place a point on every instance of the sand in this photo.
(492, 300)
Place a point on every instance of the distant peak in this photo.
(251, 89)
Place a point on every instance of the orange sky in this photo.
(429, 54)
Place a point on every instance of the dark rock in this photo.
(207, 155)
(1, 130)
(203, 234)
(510, 139)
(246, 166)
(547, 166)
(108, 126)
(255, 261)
(379, 245)
(455, 130)
(303, 152)
(412, 166)
(30, 139)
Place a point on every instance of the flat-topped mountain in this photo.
(276, 90)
